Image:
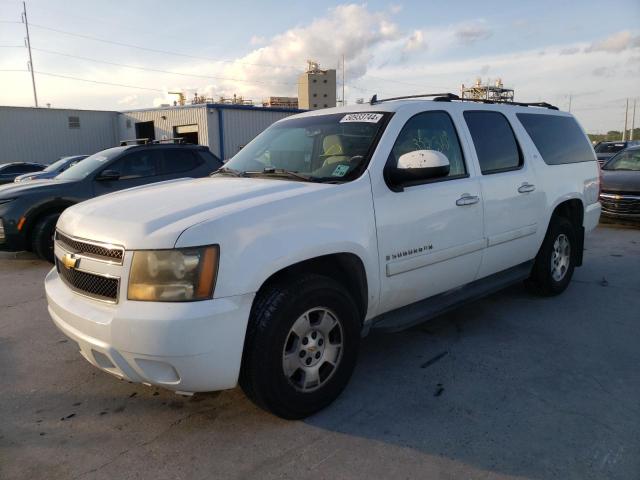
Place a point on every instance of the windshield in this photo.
(56, 165)
(609, 147)
(333, 147)
(90, 164)
(629, 160)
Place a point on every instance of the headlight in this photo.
(179, 275)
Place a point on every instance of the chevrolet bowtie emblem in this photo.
(70, 261)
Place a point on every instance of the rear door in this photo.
(512, 198)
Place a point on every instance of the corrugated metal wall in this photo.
(173, 117)
(240, 126)
(43, 134)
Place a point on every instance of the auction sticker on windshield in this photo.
(362, 117)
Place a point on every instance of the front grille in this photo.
(97, 286)
(620, 203)
(99, 251)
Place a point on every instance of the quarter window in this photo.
(559, 139)
(495, 143)
(431, 131)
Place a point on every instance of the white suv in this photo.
(327, 224)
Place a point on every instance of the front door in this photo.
(136, 168)
(430, 236)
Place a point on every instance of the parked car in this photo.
(29, 211)
(606, 150)
(620, 196)
(326, 225)
(53, 170)
(9, 171)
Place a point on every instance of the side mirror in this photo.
(419, 165)
(108, 175)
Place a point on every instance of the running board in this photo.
(423, 310)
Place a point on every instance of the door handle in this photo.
(467, 199)
(526, 188)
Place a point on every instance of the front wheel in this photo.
(555, 262)
(301, 346)
(42, 236)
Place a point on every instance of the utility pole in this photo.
(633, 119)
(570, 98)
(26, 26)
(626, 114)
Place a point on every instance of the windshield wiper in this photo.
(282, 172)
(229, 171)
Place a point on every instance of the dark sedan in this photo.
(620, 197)
(53, 170)
(9, 171)
(29, 211)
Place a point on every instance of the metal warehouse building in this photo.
(224, 128)
(45, 134)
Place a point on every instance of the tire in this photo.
(42, 236)
(272, 350)
(556, 260)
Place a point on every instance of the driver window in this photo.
(137, 164)
(432, 131)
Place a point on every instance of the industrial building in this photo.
(316, 88)
(224, 128)
(45, 134)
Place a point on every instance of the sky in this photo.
(585, 53)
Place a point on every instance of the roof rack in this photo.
(447, 97)
(136, 141)
(439, 97)
(175, 140)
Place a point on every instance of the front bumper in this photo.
(188, 347)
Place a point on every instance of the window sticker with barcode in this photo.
(361, 117)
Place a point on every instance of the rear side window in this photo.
(495, 143)
(177, 160)
(558, 139)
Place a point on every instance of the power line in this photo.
(68, 77)
(155, 50)
(209, 77)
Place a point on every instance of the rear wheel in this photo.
(42, 236)
(555, 262)
(301, 346)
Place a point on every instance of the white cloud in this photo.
(415, 41)
(395, 8)
(615, 43)
(257, 40)
(470, 33)
(129, 101)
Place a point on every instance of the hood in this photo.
(36, 175)
(13, 190)
(620, 181)
(154, 216)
